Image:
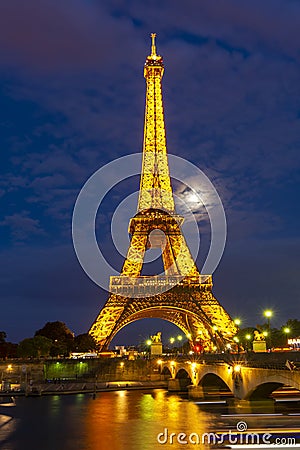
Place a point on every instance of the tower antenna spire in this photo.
(153, 46)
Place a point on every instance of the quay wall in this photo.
(115, 369)
(24, 372)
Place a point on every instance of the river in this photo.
(133, 420)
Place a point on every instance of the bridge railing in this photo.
(259, 361)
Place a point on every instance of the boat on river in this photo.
(6, 403)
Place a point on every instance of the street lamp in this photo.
(248, 337)
(237, 321)
(172, 340)
(179, 338)
(286, 331)
(268, 314)
(148, 352)
(237, 368)
(237, 341)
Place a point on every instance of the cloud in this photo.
(73, 96)
(41, 284)
(22, 226)
(51, 35)
(248, 280)
(270, 25)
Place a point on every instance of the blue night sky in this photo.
(72, 99)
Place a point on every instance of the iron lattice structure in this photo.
(181, 296)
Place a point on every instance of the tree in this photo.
(2, 337)
(278, 339)
(55, 331)
(34, 347)
(61, 336)
(26, 348)
(84, 343)
(7, 349)
(294, 326)
(245, 336)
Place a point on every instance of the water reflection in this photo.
(130, 420)
(7, 427)
(147, 415)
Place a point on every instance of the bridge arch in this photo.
(263, 390)
(184, 379)
(213, 383)
(166, 372)
(262, 385)
(182, 373)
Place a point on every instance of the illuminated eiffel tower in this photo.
(181, 295)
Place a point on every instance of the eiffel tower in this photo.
(181, 295)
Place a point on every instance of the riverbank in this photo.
(65, 388)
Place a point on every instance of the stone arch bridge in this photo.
(243, 382)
